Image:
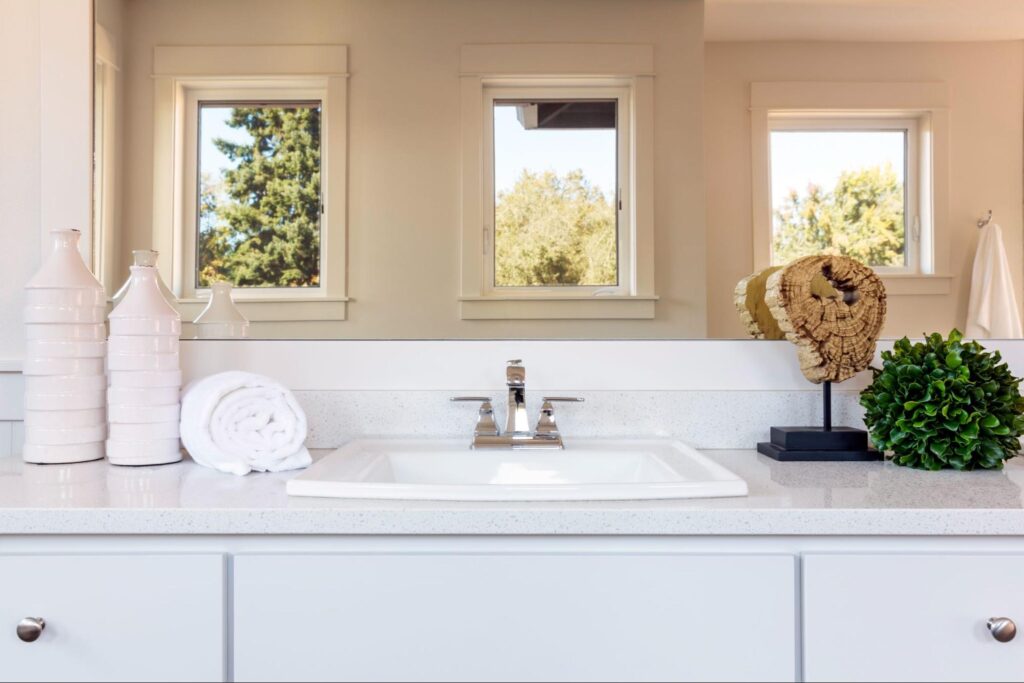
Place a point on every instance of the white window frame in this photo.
(227, 93)
(561, 71)
(925, 103)
(496, 90)
(862, 122)
(105, 199)
(183, 76)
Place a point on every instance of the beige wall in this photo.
(986, 82)
(19, 166)
(404, 205)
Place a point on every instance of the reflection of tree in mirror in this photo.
(259, 224)
(862, 217)
(554, 230)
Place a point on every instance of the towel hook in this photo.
(982, 222)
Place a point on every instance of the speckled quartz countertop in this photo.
(827, 499)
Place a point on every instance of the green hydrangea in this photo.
(944, 403)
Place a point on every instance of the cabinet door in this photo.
(911, 617)
(113, 617)
(519, 617)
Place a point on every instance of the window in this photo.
(554, 192)
(249, 177)
(557, 181)
(259, 197)
(845, 185)
(891, 140)
(254, 198)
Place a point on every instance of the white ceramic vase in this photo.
(145, 374)
(65, 378)
(221, 318)
(146, 257)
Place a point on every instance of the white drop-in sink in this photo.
(449, 470)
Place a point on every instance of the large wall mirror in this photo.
(534, 169)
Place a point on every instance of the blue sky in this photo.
(819, 157)
(213, 124)
(592, 151)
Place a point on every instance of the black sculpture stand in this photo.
(822, 444)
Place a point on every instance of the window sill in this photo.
(558, 308)
(917, 285)
(276, 310)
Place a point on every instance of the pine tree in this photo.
(263, 230)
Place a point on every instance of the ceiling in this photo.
(864, 20)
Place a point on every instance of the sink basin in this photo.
(450, 470)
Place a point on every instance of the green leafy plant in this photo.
(944, 403)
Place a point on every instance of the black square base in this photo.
(810, 444)
(817, 439)
(789, 455)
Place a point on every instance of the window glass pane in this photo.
(839, 192)
(555, 186)
(259, 194)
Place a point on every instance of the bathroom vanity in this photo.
(185, 574)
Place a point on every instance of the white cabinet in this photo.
(514, 616)
(911, 617)
(113, 617)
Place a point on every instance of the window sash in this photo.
(272, 95)
(913, 208)
(496, 92)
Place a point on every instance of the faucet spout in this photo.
(518, 423)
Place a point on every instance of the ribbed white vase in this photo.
(65, 381)
(145, 375)
(221, 318)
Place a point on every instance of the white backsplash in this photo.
(705, 419)
(711, 394)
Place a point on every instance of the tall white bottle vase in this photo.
(145, 375)
(65, 379)
(221, 318)
(146, 257)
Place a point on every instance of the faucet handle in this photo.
(485, 425)
(547, 428)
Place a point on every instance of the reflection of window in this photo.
(258, 201)
(845, 186)
(256, 189)
(284, 243)
(105, 185)
(554, 189)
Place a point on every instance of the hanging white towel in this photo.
(992, 312)
(238, 422)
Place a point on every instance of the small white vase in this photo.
(143, 347)
(221, 319)
(146, 257)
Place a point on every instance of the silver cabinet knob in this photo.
(1002, 629)
(30, 628)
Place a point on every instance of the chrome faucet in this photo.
(517, 422)
(517, 430)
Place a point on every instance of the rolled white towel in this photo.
(238, 422)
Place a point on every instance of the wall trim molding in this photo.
(576, 59)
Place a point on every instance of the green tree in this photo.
(262, 227)
(554, 230)
(862, 217)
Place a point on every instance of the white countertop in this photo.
(826, 499)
